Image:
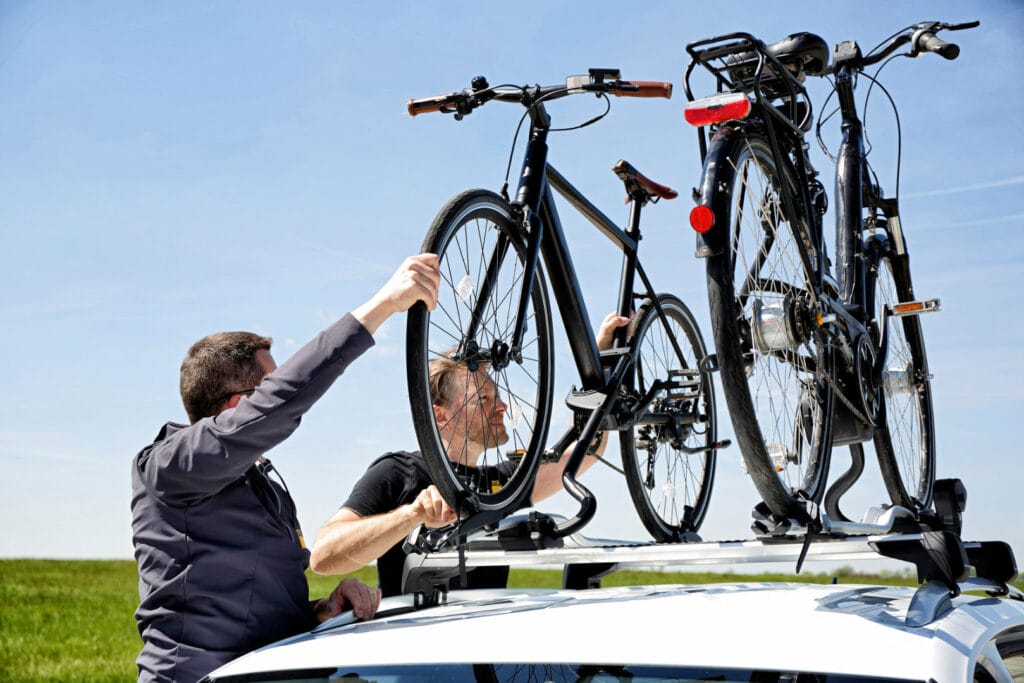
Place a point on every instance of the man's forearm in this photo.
(549, 475)
(344, 546)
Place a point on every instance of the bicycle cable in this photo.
(519, 126)
(824, 118)
(601, 459)
(886, 41)
(896, 114)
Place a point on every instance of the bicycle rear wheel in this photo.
(478, 461)
(775, 364)
(905, 435)
(667, 456)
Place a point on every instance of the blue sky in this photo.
(173, 169)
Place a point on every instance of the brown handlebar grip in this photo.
(425, 105)
(645, 89)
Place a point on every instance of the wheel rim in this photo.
(906, 398)
(784, 356)
(676, 484)
(516, 374)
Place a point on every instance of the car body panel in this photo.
(841, 629)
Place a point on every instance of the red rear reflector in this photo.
(702, 219)
(717, 108)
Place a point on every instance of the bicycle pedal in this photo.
(585, 400)
(908, 308)
(683, 384)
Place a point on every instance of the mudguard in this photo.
(718, 172)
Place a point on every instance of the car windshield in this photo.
(547, 673)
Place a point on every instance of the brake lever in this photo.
(961, 27)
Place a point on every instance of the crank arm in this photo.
(700, 450)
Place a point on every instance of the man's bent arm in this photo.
(549, 475)
(349, 541)
(202, 458)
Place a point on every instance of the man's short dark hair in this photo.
(217, 366)
(443, 371)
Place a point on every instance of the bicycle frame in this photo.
(849, 194)
(851, 186)
(619, 389)
(546, 239)
(761, 110)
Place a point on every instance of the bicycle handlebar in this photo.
(428, 104)
(464, 102)
(644, 89)
(929, 42)
(922, 38)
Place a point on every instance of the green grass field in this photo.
(73, 620)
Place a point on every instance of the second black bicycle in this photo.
(809, 361)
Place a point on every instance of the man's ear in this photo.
(440, 415)
(233, 401)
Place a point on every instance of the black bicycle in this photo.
(809, 361)
(497, 255)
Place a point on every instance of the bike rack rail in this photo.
(585, 560)
(944, 562)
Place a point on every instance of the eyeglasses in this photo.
(243, 392)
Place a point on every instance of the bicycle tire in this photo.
(905, 436)
(776, 380)
(466, 235)
(670, 488)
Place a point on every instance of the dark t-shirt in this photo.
(395, 479)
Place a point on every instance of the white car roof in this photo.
(842, 629)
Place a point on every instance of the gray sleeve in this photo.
(206, 456)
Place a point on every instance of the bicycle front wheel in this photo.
(480, 403)
(668, 456)
(775, 365)
(905, 435)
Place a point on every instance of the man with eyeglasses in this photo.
(396, 495)
(220, 554)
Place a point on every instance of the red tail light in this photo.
(717, 108)
(702, 219)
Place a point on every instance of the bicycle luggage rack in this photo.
(942, 559)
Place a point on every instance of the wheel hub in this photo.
(774, 325)
(501, 355)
